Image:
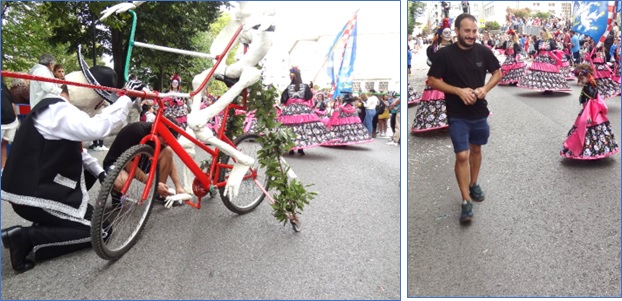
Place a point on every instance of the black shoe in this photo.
(291, 152)
(301, 152)
(116, 198)
(160, 200)
(13, 239)
(229, 82)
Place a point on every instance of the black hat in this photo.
(95, 76)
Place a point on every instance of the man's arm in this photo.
(492, 82)
(467, 95)
(90, 163)
(62, 120)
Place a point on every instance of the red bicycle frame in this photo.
(160, 128)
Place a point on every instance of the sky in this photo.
(311, 26)
(315, 24)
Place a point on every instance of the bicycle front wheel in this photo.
(119, 219)
(250, 195)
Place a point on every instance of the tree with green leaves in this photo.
(541, 15)
(203, 41)
(24, 38)
(494, 25)
(415, 10)
(170, 24)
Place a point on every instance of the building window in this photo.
(369, 85)
(383, 86)
(356, 87)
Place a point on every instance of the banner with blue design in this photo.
(341, 56)
(592, 18)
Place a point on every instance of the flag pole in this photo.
(331, 51)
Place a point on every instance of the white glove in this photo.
(178, 198)
(235, 179)
(119, 8)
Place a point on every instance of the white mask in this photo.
(446, 34)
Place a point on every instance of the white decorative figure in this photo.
(258, 33)
(120, 8)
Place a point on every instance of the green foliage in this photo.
(492, 25)
(415, 10)
(541, 15)
(291, 196)
(203, 42)
(170, 24)
(520, 13)
(46, 25)
(24, 38)
(235, 123)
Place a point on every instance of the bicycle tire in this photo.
(250, 196)
(107, 214)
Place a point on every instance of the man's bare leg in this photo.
(462, 171)
(475, 162)
(169, 169)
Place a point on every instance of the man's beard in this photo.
(462, 42)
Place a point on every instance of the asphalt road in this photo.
(349, 247)
(548, 227)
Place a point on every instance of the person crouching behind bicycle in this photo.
(45, 178)
(130, 136)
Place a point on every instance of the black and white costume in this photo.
(45, 179)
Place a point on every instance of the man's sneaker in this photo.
(476, 193)
(103, 148)
(392, 143)
(467, 212)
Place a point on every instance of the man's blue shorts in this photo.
(464, 132)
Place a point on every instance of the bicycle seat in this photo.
(227, 80)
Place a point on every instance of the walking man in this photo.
(462, 67)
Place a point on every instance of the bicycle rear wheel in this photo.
(250, 195)
(119, 219)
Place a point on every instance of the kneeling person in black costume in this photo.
(45, 178)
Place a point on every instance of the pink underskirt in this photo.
(591, 158)
(602, 74)
(412, 130)
(344, 120)
(432, 95)
(557, 90)
(544, 67)
(513, 66)
(347, 143)
(298, 119)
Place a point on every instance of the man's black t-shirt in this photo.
(464, 69)
(129, 136)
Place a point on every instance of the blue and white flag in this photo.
(341, 59)
(593, 19)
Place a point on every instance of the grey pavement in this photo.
(548, 227)
(349, 246)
